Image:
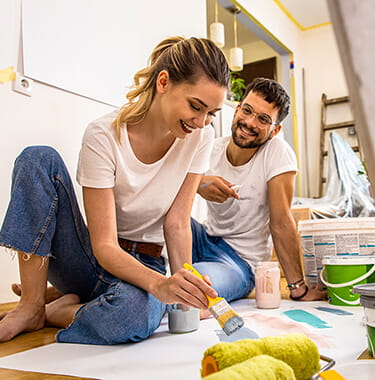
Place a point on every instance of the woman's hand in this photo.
(184, 287)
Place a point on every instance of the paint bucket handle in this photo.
(349, 283)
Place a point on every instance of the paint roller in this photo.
(258, 368)
(296, 350)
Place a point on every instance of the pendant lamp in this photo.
(235, 53)
(217, 30)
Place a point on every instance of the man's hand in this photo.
(216, 189)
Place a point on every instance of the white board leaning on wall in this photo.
(93, 48)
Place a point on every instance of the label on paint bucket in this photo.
(334, 237)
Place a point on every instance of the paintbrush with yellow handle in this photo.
(228, 319)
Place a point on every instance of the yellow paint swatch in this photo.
(7, 75)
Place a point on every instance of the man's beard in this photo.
(239, 140)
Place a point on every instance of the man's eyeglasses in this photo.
(262, 119)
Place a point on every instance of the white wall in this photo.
(49, 117)
(323, 74)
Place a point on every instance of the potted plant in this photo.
(237, 86)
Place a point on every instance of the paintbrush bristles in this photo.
(228, 319)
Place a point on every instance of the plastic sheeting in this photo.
(347, 188)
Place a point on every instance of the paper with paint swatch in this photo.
(299, 315)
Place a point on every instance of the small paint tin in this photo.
(182, 319)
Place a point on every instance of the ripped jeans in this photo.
(43, 219)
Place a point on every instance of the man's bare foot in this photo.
(51, 294)
(204, 314)
(23, 318)
(60, 312)
(2, 315)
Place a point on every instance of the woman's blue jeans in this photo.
(43, 218)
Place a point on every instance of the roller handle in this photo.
(330, 363)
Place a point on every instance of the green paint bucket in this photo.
(367, 299)
(342, 273)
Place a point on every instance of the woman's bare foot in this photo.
(60, 312)
(51, 294)
(25, 317)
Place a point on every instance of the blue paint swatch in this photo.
(242, 333)
(333, 311)
(299, 315)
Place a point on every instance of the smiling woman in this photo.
(139, 168)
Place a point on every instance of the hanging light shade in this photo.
(217, 30)
(236, 59)
(217, 34)
(235, 53)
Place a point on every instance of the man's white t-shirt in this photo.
(143, 192)
(244, 223)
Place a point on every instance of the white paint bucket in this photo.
(334, 237)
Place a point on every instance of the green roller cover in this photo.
(258, 368)
(296, 350)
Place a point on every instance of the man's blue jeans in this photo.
(231, 276)
(43, 218)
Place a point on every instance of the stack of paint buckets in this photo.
(339, 253)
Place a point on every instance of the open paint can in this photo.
(367, 299)
(182, 319)
(341, 273)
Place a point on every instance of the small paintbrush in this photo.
(228, 319)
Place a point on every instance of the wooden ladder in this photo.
(325, 103)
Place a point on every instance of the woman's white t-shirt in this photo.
(143, 192)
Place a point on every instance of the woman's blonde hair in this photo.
(184, 60)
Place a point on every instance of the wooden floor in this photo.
(26, 342)
(46, 336)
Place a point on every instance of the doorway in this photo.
(265, 68)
